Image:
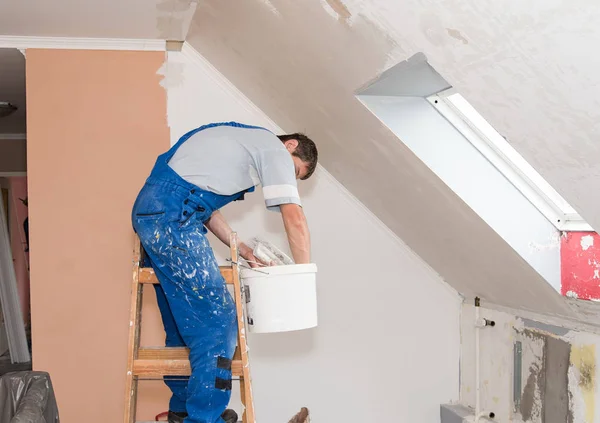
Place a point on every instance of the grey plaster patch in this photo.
(536, 381)
(555, 330)
(556, 391)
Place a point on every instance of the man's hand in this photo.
(219, 226)
(248, 255)
(297, 232)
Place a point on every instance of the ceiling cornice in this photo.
(67, 43)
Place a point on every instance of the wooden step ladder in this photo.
(157, 362)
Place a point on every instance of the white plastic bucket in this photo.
(281, 298)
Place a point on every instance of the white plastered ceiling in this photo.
(12, 89)
(301, 62)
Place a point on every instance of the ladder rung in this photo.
(165, 361)
(147, 275)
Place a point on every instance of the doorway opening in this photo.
(15, 321)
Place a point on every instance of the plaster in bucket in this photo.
(281, 298)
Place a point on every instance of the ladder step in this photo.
(168, 361)
(147, 275)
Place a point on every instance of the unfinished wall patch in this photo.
(532, 394)
(556, 388)
(534, 375)
(580, 265)
(582, 376)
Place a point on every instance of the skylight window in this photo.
(494, 147)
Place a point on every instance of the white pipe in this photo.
(477, 370)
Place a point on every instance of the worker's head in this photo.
(304, 153)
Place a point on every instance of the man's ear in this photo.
(291, 145)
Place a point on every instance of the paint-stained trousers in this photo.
(196, 307)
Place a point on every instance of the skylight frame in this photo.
(507, 161)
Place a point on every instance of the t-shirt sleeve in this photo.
(278, 178)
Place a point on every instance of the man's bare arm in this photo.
(219, 226)
(297, 232)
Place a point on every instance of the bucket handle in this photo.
(248, 267)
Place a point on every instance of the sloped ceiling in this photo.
(301, 62)
(153, 19)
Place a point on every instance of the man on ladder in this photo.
(208, 168)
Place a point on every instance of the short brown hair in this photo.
(306, 151)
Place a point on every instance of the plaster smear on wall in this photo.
(271, 7)
(587, 242)
(176, 67)
(552, 244)
(582, 379)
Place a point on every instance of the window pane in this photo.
(510, 155)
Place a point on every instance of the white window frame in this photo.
(507, 161)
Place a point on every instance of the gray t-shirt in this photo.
(226, 160)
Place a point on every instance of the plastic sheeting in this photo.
(27, 397)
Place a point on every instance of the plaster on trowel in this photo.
(269, 253)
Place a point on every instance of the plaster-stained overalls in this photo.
(197, 310)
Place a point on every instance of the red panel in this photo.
(580, 265)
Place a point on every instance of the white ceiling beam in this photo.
(67, 43)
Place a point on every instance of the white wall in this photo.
(387, 344)
(468, 173)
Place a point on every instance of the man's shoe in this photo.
(176, 417)
(301, 417)
(229, 416)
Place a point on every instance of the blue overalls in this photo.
(196, 308)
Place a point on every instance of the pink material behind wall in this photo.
(580, 265)
(17, 215)
(96, 122)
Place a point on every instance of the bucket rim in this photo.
(288, 269)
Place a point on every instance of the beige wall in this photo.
(96, 121)
(13, 155)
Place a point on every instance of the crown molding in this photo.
(68, 43)
(13, 136)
